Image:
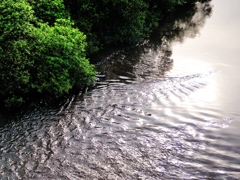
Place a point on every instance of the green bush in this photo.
(36, 57)
(110, 21)
(15, 61)
(48, 10)
(60, 58)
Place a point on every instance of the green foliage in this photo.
(48, 10)
(36, 57)
(86, 16)
(13, 101)
(126, 26)
(119, 21)
(15, 29)
(60, 58)
(177, 2)
(15, 18)
(167, 7)
(110, 21)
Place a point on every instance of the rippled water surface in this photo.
(167, 109)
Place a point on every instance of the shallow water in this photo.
(167, 109)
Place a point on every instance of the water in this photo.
(167, 109)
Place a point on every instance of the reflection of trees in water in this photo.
(190, 27)
(141, 62)
(185, 24)
(153, 63)
(152, 58)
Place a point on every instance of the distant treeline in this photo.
(44, 44)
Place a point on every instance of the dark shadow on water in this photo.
(152, 58)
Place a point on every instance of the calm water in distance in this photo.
(216, 47)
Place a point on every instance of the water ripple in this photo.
(122, 131)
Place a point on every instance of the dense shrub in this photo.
(110, 22)
(48, 10)
(36, 57)
(59, 58)
(15, 61)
